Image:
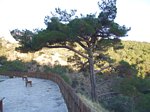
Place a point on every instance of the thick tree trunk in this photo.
(89, 49)
(92, 77)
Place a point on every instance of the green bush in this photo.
(143, 103)
(118, 103)
(59, 70)
(125, 69)
(133, 86)
(13, 66)
(138, 90)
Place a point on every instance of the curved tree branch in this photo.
(97, 71)
(82, 45)
(70, 48)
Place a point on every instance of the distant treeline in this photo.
(136, 54)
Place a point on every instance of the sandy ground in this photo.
(43, 96)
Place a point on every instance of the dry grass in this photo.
(96, 107)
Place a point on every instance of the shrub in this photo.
(118, 103)
(13, 66)
(138, 90)
(59, 70)
(143, 103)
(133, 86)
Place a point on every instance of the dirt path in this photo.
(43, 96)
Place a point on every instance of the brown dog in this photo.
(28, 82)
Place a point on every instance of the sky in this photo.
(29, 14)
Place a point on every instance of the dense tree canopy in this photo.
(64, 30)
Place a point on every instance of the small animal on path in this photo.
(28, 82)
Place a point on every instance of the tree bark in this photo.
(92, 77)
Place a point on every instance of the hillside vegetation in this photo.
(136, 54)
(123, 88)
